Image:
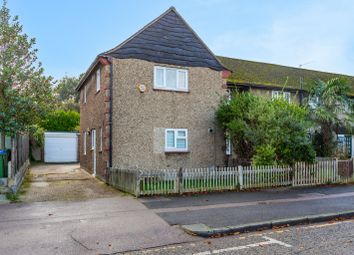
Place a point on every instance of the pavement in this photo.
(98, 226)
(217, 213)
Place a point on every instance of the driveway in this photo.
(63, 182)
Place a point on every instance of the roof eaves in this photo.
(87, 73)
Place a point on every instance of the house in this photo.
(150, 102)
(275, 80)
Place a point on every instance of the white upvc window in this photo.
(93, 139)
(228, 144)
(170, 78)
(313, 102)
(176, 140)
(85, 93)
(101, 139)
(98, 79)
(85, 137)
(280, 94)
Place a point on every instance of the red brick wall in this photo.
(94, 114)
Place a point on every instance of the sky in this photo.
(316, 34)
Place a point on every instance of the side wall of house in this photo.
(94, 114)
(140, 119)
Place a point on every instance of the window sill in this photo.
(171, 90)
(97, 92)
(176, 152)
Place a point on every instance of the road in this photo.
(324, 238)
(227, 209)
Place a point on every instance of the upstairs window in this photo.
(85, 93)
(176, 140)
(170, 78)
(98, 79)
(280, 94)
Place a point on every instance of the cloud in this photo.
(321, 34)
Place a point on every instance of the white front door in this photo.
(93, 143)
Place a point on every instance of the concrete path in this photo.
(77, 214)
(237, 208)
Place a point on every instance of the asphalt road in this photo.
(235, 208)
(325, 238)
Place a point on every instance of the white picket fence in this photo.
(194, 180)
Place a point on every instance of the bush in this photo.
(60, 120)
(265, 155)
(266, 131)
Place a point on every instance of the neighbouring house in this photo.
(275, 80)
(150, 102)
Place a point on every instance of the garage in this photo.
(60, 147)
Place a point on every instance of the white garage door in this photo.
(60, 147)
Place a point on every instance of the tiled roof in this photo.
(168, 40)
(244, 71)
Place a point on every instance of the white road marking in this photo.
(270, 241)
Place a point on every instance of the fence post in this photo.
(179, 180)
(352, 169)
(137, 188)
(240, 176)
(336, 170)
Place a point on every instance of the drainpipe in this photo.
(110, 109)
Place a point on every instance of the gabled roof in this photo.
(168, 40)
(257, 73)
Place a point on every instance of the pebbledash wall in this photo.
(140, 119)
(95, 115)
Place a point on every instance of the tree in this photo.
(60, 120)
(66, 94)
(265, 131)
(25, 93)
(330, 108)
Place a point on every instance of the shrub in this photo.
(266, 131)
(60, 120)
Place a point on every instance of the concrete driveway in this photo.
(67, 211)
(63, 182)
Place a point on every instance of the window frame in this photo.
(85, 142)
(101, 138)
(98, 79)
(85, 94)
(164, 86)
(175, 149)
(228, 144)
(93, 139)
(281, 94)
